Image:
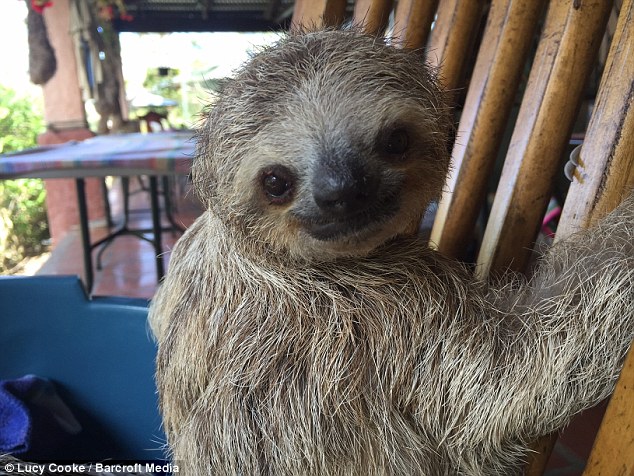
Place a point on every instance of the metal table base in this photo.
(87, 246)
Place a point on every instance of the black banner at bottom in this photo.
(105, 468)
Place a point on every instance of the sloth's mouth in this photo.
(365, 223)
(335, 230)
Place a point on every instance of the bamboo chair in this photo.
(571, 35)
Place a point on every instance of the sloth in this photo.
(303, 330)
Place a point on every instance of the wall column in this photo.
(66, 120)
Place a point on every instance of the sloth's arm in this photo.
(552, 346)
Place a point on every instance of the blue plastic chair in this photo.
(98, 353)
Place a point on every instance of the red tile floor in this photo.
(128, 262)
(129, 270)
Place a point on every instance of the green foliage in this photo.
(20, 121)
(23, 225)
(162, 84)
(190, 91)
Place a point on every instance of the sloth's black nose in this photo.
(344, 189)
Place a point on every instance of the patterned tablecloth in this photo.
(160, 153)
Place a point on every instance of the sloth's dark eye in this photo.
(397, 142)
(277, 183)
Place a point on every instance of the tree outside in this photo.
(23, 222)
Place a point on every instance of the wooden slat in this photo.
(412, 22)
(613, 450)
(568, 46)
(451, 39)
(545, 444)
(318, 13)
(507, 38)
(372, 15)
(604, 176)
(606, 169)
(542, 449)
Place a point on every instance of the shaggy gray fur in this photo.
(284, 354)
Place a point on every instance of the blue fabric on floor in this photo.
(32, 416)
(15, 421)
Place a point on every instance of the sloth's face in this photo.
(326, 145)
(343, 182)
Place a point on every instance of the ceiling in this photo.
(206, 15)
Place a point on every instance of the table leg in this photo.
(106, 202)
(85, 233)
(156, 227)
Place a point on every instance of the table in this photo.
(156, 155)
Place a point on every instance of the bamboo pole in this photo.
(604, 175)
(569, 44)
(505, 44)
(606, 160)
(318, 13)
(452, 37)
(412, 22)
(372, 15)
